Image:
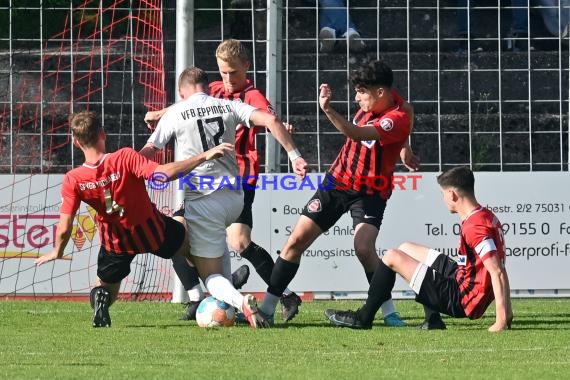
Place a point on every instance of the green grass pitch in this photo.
(55, 340)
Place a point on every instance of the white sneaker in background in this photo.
(566, 31)
(355, 43)
(327, 40)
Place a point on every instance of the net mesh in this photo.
(107, 57)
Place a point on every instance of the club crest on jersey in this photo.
(387, 124)
(314, 206)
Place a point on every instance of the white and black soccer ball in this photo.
(215, 313)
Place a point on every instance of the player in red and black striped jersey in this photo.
(128, 222)
(374, 141)
(233, 63)
(246, 152)
(462, 288)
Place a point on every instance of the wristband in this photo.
(294, 154)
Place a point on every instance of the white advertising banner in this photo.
(29, 214)
(533, 207)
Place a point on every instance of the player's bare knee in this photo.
(390, 257)
(405, 246)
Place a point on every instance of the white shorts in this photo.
(421, 270)
(208, 217)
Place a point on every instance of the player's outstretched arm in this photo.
(160, 133)
(62, 235)
(501, 289)
(173, 169)
(410, 160)
(149, 151)
(282, 135)
(344, 126)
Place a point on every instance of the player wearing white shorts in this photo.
(212, 195)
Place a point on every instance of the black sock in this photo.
(379, 291)
(283, 273)
(187, 274)
(431, 314)
(369, 276)
(261, 260)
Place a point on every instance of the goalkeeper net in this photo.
(59, 57)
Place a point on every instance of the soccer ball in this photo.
(215, 313)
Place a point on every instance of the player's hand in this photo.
(325, 97)
(289, 127)
(46, 258)
(498, 327)
(152, 117)
(218, 151)
(300, 167)
(409, 158)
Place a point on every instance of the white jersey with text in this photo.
(199, 123)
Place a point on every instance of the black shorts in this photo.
(246, 216)
(440, 290)
(329, 203)
(113, 267)
(180, 212)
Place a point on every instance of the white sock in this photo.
(269, 304)
(196, 293)
(221, 288)
(287, 291)
(388, 308)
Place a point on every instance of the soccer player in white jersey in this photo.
(212, 193)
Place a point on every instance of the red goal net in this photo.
(56, 59)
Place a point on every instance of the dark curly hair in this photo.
(372, 74)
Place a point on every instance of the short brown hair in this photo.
(192, 76)
(232, 50)
(86, 127)
(460, 178)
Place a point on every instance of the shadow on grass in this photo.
(161, 326)
(542, 324)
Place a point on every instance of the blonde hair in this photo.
(193, 76)
(86, 127)
(231, 51)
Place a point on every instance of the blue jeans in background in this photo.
(334, 14)
(519, 14)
